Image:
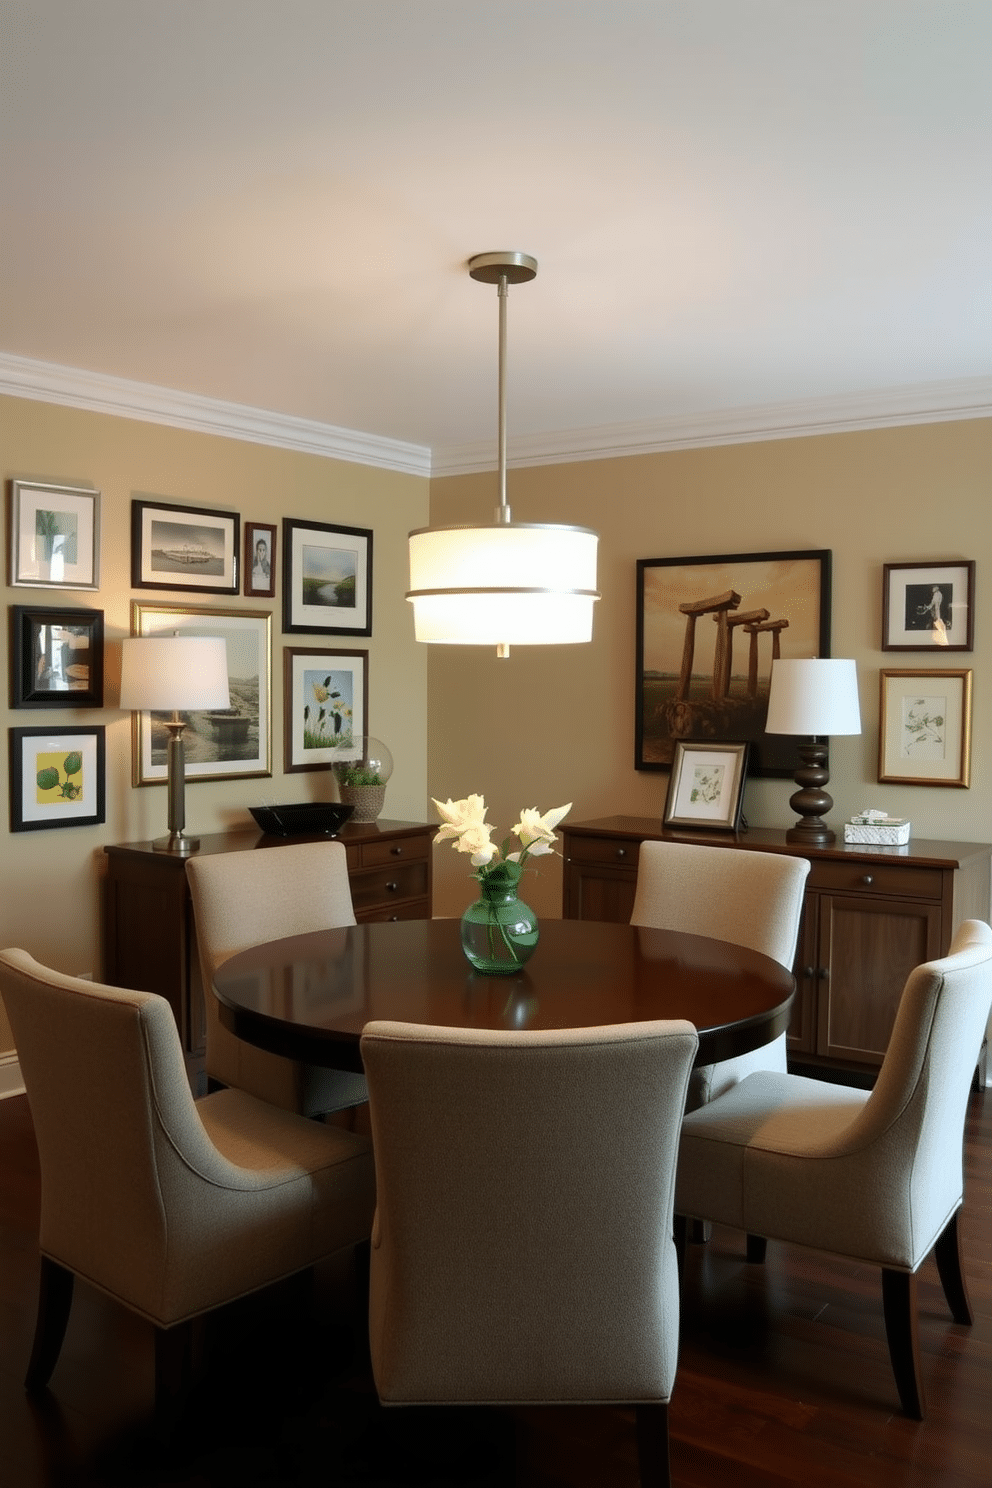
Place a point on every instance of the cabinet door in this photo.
(867, 948)
(598, 893)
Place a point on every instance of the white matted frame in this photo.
(327, 578)
(57, 778)
(706, 788)
(928, 606)
(222, 744)
(924, 728)
(54, 536)
(184, 547)
(326, 701)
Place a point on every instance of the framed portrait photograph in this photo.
(260, 560)
(221, 743)
(327, 578)
(708, 630)
(57, 778)
(928, 605)
(326, 702)
(184, 547)
(57, 657)
(54, 536)
(924, 727)
(706, 786)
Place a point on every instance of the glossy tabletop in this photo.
(310, 996)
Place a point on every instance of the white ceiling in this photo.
(735, 205)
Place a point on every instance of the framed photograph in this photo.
(924, 728)
(54, 536)
(327, 703)
(184, 547)
(928, 604)
(57, 778)
(327, 578)
(222, 744)
(708, 630)
(260, 560)
(57, 658)
(706, 787)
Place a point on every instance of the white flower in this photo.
(537, 832)
(463, 824)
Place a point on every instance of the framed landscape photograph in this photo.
(928, 605)
(327, 578)
(221, 743)
(708, 630)
(57, 778)
(184, 547)
(706, 787)
(924, 727)
(54, 536)
(326, 702)
(57, 657)
(260, 560)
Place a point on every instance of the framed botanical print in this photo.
(326, 703)
(924, 729)
(327, 578)
(221, 743)
(706, 786)
(57, 657)
(708, 630)
(57, 778)
(184, 547)
(54, 536)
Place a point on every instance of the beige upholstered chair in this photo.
(170, 1205)
(750, 899)
(878, 1177)
(522, 1250)
(243, 899)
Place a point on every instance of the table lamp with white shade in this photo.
(175, 673)
(815, 696)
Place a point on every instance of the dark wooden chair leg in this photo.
(54, 1304)
(652, 1446)
(679, 1228)
(757, 1246)
(173, 1376)
(899, 1305)
(947, 1253)
(700, 1231)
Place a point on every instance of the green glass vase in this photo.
(499, 931)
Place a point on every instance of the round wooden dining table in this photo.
(310, 996)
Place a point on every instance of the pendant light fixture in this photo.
(514, 583)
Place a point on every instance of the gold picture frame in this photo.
(924, 727)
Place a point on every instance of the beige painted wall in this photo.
(548, 726)
(50, 880)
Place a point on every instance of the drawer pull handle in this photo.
(394, 919)
(867, 879)
(809, 971)
(396, 851)
(392, 887)
(621, 852)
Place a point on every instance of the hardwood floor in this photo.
(784, 1378)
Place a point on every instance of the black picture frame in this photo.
(57, 777)
(171, 546)
(56, 657)
(260, 566)
(686, 687)
(929, 606)
(327, 578)
(309, 673)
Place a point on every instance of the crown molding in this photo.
(20, 377)
(921, 403)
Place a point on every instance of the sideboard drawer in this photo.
(403, 850)
(878, 878)
(381, 886)
(613, 850)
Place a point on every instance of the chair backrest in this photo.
(751, 899)
(522, 1247)
(918, 1105)
(115, 1121)
(243, 899)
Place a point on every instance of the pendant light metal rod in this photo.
(503, 510)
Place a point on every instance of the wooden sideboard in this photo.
(870, 915)
(149, 935)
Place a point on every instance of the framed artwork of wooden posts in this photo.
(708, 630)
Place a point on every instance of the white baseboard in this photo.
(10, 1076)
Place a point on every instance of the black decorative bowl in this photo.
(302, 818)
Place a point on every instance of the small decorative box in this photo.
(876, 828)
